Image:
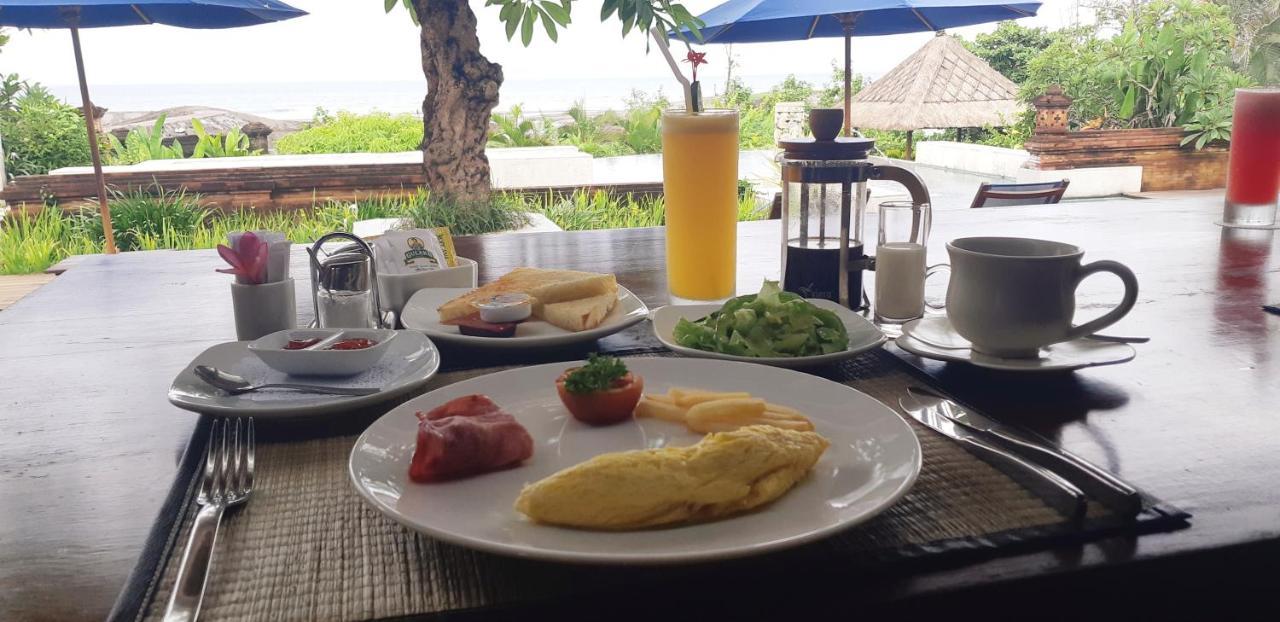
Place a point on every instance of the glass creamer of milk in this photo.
(900, 272)
(900, 263)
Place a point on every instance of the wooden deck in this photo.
(13, 288)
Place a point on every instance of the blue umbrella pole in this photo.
(104, 209)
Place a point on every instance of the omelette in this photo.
(726, 473)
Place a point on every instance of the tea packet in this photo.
(409, 251)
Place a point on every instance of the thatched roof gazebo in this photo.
(942, 85)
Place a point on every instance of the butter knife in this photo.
(1059, 493)
(1123, 499)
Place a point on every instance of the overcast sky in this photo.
(354, 40)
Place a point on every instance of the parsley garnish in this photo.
(597, 375)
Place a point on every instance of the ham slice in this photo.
(467, 436)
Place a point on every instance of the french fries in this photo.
(711, 411)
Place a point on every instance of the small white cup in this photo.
(263, 309)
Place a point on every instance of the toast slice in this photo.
(579, 315)
(545, 286)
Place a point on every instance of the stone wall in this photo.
(1165, 164)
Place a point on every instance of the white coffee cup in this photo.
(1010, 297)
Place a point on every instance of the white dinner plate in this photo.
(863, 335)
(411, 360)
(420, 314)
(933, 337)
(873, 460)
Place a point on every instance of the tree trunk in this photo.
(462, 89)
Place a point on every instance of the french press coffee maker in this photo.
(344, 285)
(824, 202)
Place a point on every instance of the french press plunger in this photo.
(824, 201)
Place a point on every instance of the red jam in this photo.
(298, 344)
(358, 343)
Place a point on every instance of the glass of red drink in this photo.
(1253, 176)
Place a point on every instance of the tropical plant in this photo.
(40, 132)
(376, 132)
(1264, 57)
(231, 144)
(1169, 62)
(464, 217)
(515, 130)
(1208, 125)
(142, 144)
(641, 133)
(31, 242)
(462, 85)
(832, 94)
(142, 215)
(1072, 61)
(1010, 48)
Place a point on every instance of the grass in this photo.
(157, 219)
(377, 132)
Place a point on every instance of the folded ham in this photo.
(467, 436)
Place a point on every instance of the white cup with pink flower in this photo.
(262, 296)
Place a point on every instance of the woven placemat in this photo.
(308, 548)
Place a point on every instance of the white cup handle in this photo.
(1126, 304)
(930, 271)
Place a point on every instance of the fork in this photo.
(226, 482)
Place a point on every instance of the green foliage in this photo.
(524, 16)
(641, 130)
(142, 144)
(1168, 67)
(31, 242)
(1072, 61)
(1264, 57)
(515, 130)
(40, 133)
(890, 143)
(1209, 125)
(231, 144)
(1010, 48)
(376, 132)
(832, 95)
(144, 215)
(498, 213)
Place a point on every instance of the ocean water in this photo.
(299, 100)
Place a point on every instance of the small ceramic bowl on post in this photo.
(263, 309)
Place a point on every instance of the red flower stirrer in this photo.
(695, 59)
(248, 259)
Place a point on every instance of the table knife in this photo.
(1123, 499)
(1059, 493)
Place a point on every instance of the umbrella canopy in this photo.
(77, 14)
(941, 85)
(105, 13)
(758, 21)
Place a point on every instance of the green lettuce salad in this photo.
(772, 323)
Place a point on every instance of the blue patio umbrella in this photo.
(74, 15)
(757, 21)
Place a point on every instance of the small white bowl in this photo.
(318, 360)
(394, 290)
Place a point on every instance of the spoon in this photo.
(235, 385)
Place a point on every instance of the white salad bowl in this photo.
(318, 360)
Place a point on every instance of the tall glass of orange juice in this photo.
(700, 181)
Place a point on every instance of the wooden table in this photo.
(88, 442)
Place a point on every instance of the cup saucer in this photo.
(933, 337)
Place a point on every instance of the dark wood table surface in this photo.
(89, 444)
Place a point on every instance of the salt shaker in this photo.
(344, 285)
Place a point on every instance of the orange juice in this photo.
(700, 181)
